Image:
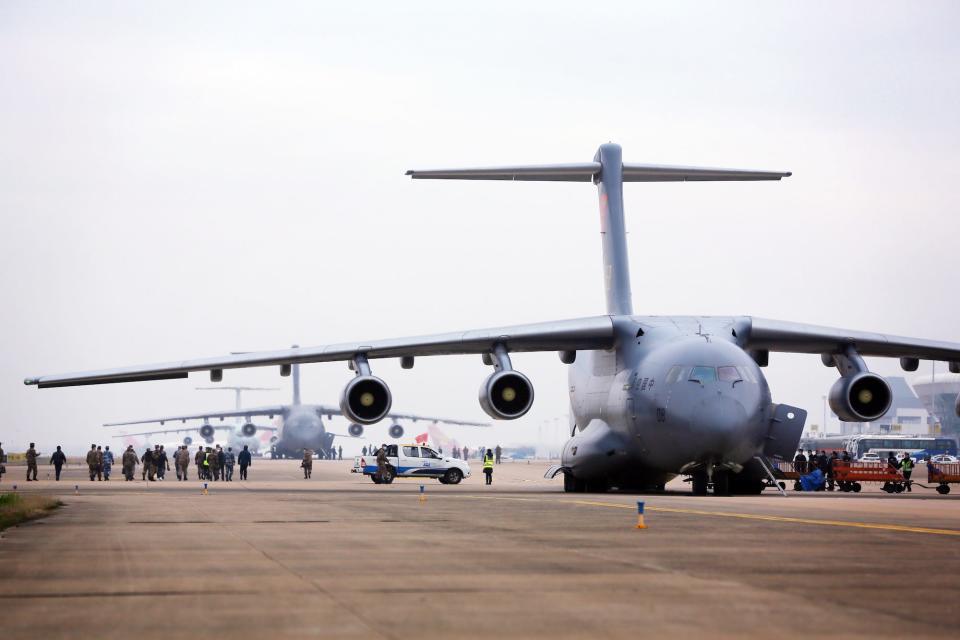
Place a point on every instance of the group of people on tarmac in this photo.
(826, 465)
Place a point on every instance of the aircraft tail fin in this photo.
(609, 173)
(295, 373)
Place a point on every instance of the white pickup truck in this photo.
(413, 461)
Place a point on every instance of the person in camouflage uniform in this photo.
(229, 459)
(99, 463)
(213, 461)
(198, 460)
(31, 462)
(147, 460)
(130, 462)
(307, 463)
(92, 461)
(181, 459)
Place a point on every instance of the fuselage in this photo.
(672, 395)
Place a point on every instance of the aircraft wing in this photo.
(413, 417)
(233, 413)
(794, 337)
(566, 335)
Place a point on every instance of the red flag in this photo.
(422, 438)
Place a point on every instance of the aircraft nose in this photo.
(722, 425)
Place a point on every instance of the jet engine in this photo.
(862, 397)
(395, 431)
(206, 432)
(366, 399)
(506, 395)
(274, 439)
(356, 430)
(188, 440)
(249, 429)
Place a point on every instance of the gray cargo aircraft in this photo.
(301, 428)
(650, 397)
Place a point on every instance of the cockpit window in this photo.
(676, 374)
(703, 374)
(747, 374)
(728, 374)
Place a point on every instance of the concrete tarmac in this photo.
(337, 556)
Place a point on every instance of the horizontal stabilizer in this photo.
(590, 171)
(582, 172)
(667, 173)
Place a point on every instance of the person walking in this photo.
(221, 462)
(229, 459)
(307, 464)
(92, 461)
(147, 460)
(832, 471)
(31, 462)
(130, 462)
(99, 463)
(198, 460)
(465, 453)
(209, 458)
(340, 452)
(107, 462)
(181, 461)
(498, 451)
(245, 460)
(363, 451)
(3, 459)
(488, 462)
(906, 467)
(163, 463)
(58, 459)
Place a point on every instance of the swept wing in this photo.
(565, 335)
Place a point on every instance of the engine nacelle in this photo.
(506, 395)
(249, 430)
(395, 431)
(206, 432)
(366, 400)
(862, 397)
(188, 441)
(356, 430)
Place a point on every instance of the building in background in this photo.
(939, 396)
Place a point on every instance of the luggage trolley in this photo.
(850, 476)
(943, 474)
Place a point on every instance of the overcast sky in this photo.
(187, 179)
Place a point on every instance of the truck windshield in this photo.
(428, 453)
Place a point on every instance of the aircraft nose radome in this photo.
(722, 423)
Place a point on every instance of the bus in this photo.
(919, 447)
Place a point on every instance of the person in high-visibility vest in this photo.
(488, 466)
(906, 467)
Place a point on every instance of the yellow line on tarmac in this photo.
(752, 516)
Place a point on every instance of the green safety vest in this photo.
(907, 464)
(488, 462)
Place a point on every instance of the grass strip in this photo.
(17, 507)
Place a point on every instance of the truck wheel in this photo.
(389, 476)
(375, 478)
(453, 476)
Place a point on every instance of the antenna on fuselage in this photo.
(608, 172)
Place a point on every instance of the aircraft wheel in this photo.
(857, 487)
(699, 484)
(452, 476)
(943, 489)
(572, 484)
(721, 484)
